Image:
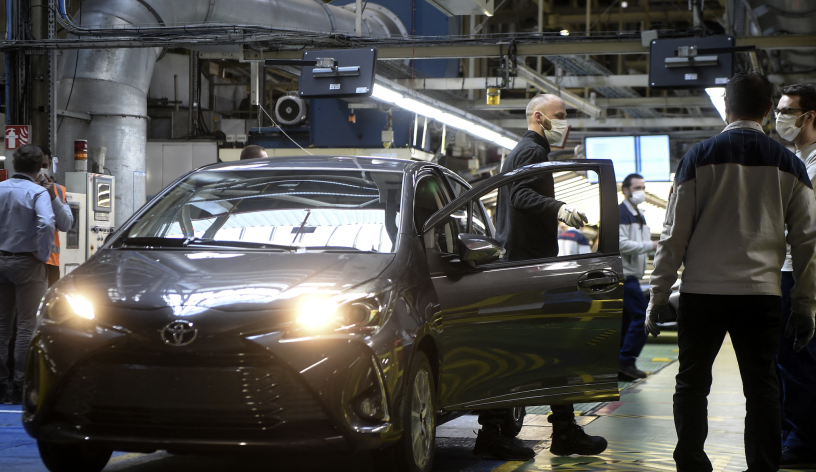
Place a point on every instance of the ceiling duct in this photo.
(788, 17)
(111, 85)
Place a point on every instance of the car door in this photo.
(531, 332)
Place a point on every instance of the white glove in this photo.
(571, 216)
(654, 315)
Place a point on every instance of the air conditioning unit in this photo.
(290, 110)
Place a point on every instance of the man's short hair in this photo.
(627, 182)
(748, 95)
(46, 151)
(252, 151)
(806, 94)
(28, 159)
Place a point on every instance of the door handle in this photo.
(589, 283)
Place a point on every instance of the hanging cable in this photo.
(284, 132)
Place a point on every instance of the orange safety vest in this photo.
(53, 259)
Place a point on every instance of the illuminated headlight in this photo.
(361, 309)
(63, 305)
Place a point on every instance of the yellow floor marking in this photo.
(675, 350)
(508, 466)
(661, 359)
(710, 418)
(720, 463)
(125, 457)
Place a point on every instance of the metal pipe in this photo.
(8, 62)
(111, 84)
(358, 18)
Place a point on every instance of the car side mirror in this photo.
(475, 249)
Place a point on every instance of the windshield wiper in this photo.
(228, 243)
(308, 214)
(339, 248)
(153, 241)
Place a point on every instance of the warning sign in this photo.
(16, 136)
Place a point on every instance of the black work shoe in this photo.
(16, 394)
(630, 372)
(491, 444)
(569, 438)
(792, 460)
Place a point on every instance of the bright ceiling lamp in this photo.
(415, 106)
(717, 96)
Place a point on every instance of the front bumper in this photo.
(100, 385)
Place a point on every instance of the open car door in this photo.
(532, 332)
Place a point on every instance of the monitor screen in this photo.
(645, 155)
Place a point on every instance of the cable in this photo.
(284, 132)
(73, 81)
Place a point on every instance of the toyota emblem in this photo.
(179, 333)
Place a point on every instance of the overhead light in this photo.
(717, 96)
(385, 94)
(564, 32)
(624, 4)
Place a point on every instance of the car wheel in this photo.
(73, 457)
(415, 450)
(513, 422)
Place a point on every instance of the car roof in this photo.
(374, 164)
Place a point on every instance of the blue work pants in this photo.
(797, 372)
(633, 336)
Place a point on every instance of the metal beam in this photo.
(533, 78)
(421, 50)
(629, 16)
(517, 83)
(634, 102)
(690, 122)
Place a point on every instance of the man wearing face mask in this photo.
(527, 216)
(732, 198)
(796, 122)
(635, 243)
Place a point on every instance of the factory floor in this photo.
(639, 428)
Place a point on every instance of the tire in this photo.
(513, 421)
(415, 450)
(73, 457)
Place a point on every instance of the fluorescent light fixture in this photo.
(717, 96)
(564, 32)
(385, 94)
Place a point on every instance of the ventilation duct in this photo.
(791, 17)
(110, 85)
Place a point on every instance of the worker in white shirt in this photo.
(796, 122)
(635, 242)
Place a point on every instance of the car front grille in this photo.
(246, 395)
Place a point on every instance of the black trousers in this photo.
(498, 417)
(753, 321)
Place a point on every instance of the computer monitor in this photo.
(645, 155)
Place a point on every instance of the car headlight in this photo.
(361, 309)
(64, 304)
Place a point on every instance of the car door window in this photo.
(430, 197)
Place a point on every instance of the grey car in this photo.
(321, 303)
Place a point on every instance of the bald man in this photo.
(527, 212)
(527, 216)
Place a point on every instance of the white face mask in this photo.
(786, 127)
(638, 197)
(556, 134)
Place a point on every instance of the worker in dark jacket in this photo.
(527, 226)
(527, 212)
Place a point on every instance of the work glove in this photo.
(654, 315)
(572, 217)
(803, 326)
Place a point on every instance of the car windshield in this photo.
(319, 209)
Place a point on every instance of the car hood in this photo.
(191, 282)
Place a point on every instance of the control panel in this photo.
(98, 190)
